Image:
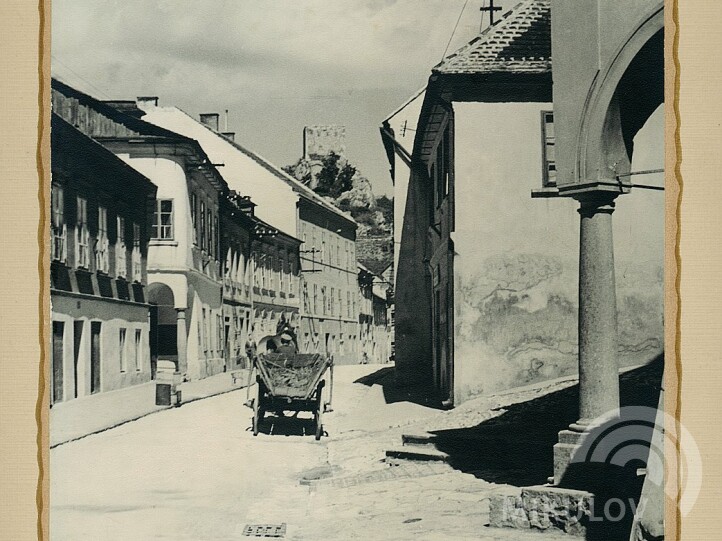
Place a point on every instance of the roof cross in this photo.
(491, 8)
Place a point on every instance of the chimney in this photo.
(230, 135)
(210, 120)
(146, 101)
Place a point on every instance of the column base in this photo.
(569, 443)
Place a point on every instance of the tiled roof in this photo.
(519, 42)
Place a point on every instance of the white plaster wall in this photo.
(170, 178)
(124, 316)
(276, 200)
(516, 268)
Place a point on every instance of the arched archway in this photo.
(628, 90)
(163, 325)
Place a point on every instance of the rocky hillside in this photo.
(343, 185)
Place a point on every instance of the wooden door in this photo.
(95, 357)
(77, 339)
(56, 387)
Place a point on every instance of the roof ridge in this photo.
(272, 168)
(407, 102)
(486, 51)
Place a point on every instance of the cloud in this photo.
(277, 64)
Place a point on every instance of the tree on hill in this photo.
(334, 178)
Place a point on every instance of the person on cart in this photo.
(287, 345)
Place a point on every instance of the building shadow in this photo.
(423, 395)
(516, 448)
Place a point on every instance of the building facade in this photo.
(326, 294)
(375, 333)
(486, 291)
(329, 307)
(100, 230)
(184, 272)
(276, 281)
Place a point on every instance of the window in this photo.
(340, 306)
(441, 169)
(216, 246)
(331, 300)
(315, 298)
(163, 220)
(121, 267)
(291, 277)
(348, 303)
(59, 233)
(204, 339)
(135, 255)
(203, 225)
(209, 246)
(209, 333)
(138, 350)
(324, 300)
(219, 334)
(282, 273)
(194, 217)
(82, 235)
(102, 262)
(549, 166)
(121, 351)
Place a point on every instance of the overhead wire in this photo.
(80, 76)
(454, 30)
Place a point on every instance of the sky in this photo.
(275, 65)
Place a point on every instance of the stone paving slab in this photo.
(442, 507)
(407, 471)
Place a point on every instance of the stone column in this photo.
(181, 337)
(598, 365)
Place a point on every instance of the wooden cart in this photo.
(291, 383)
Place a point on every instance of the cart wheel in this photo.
(317, 415)
(319, 426)
(258, 414)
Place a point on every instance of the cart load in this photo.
(291, 382)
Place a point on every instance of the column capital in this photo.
(591, 203)
(181, 313)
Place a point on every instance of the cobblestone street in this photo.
(200, 474)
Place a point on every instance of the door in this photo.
(437, 331)
(227, 346)
(77, 339)
(56, 387)
(153, 340)
(95, 357)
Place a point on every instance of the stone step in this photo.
(418, 455)
(418, 439)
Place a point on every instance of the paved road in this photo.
(197, 473)
(187, 473)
